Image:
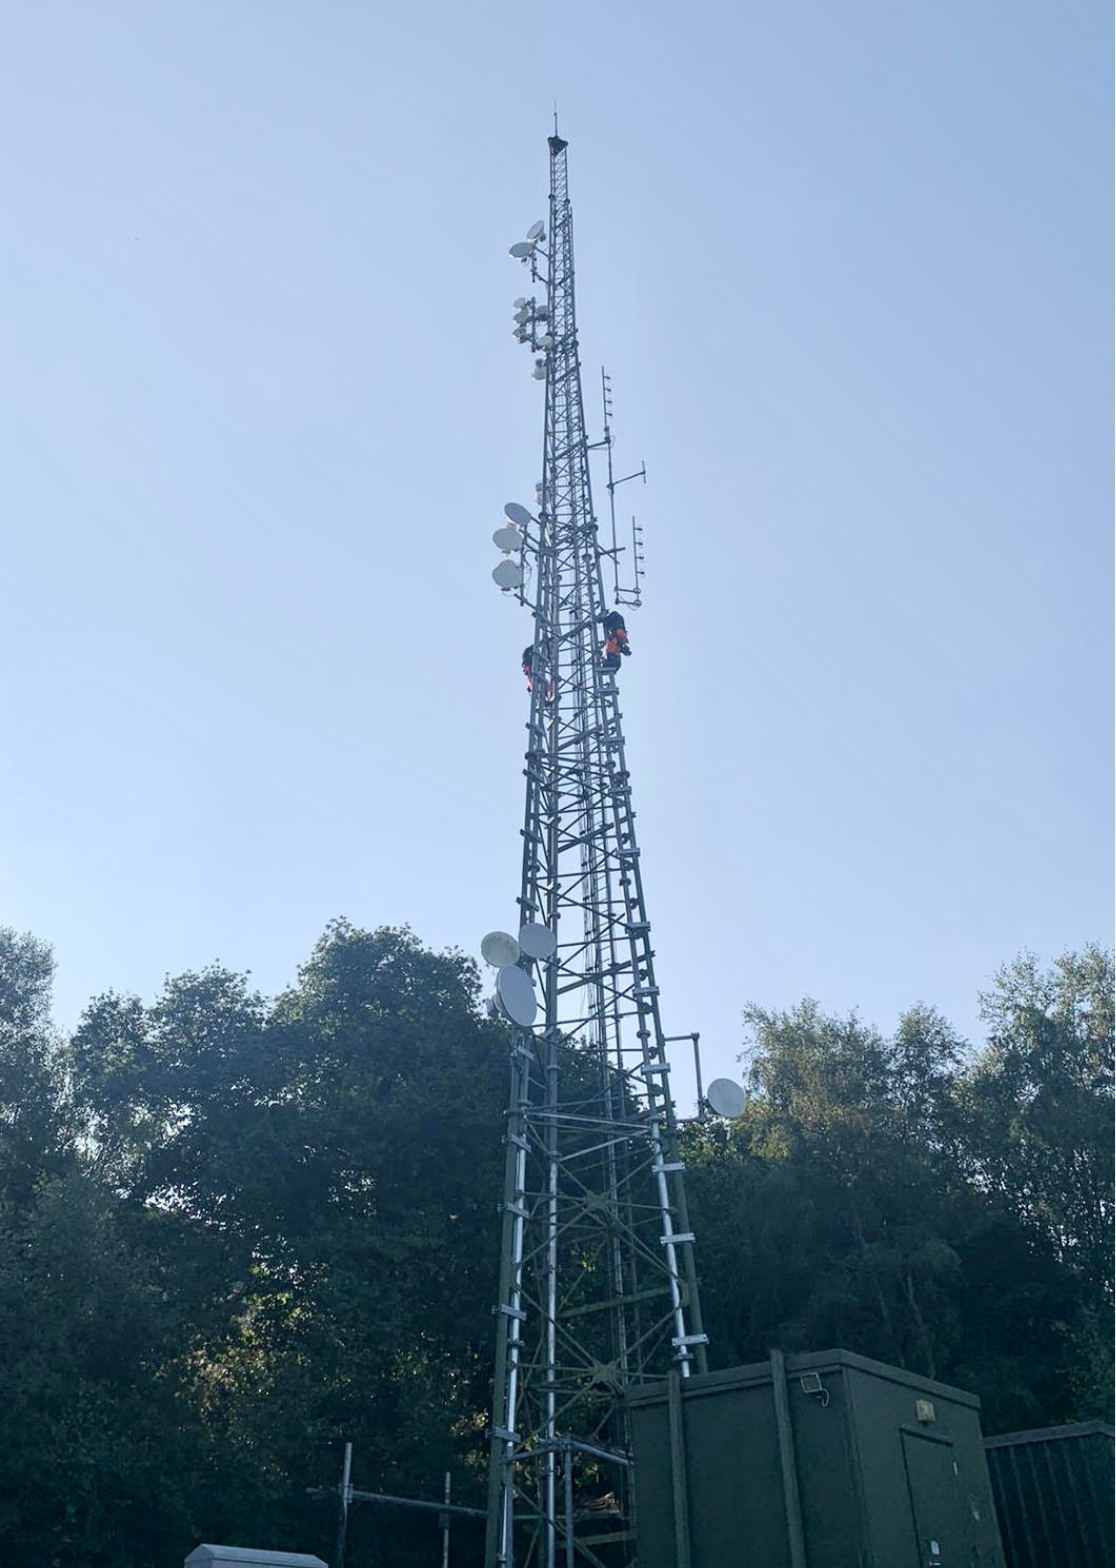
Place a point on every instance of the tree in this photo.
(843, 1176)
(1039, 1106)
(319, 1175)
(235, 1232)
(373, 1213)
(905, 1198)
(103, 1458)
(35, 1136)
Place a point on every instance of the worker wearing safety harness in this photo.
(529, 671)
(616, 640)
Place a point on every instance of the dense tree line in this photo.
(234, 1231)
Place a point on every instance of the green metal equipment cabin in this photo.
(827, 1460)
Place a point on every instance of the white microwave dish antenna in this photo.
(507, 574)
(508, 539)
(500, 948)
(519, 515)
(537, 941)
(536, 232)
(515, 996)
(726, 1097)
(521, 250)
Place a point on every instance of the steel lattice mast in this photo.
(598, 1289)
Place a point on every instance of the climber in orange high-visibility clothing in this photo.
(616, 640)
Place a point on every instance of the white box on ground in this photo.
(248, 1557)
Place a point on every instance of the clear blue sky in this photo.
(849, 268)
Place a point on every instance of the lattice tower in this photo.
(598, 1289)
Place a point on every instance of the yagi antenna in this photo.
(630, 596)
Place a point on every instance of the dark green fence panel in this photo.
(1055, 1496)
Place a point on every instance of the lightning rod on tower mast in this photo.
(598, 1287)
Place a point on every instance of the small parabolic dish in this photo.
(507, 575)
(726, 1097)
(499, 948)
(518, 304)
(536, 232)
(508, 539)
(537, 941)
(521, 250)
(517, 514)
(515, 996)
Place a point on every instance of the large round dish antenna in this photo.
(537, 941)
(499, 948)
(726, 1097)
(517, 514)
(507, 574)
(508, 539)
(536, 232)
(515, 996)
(521, 250)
